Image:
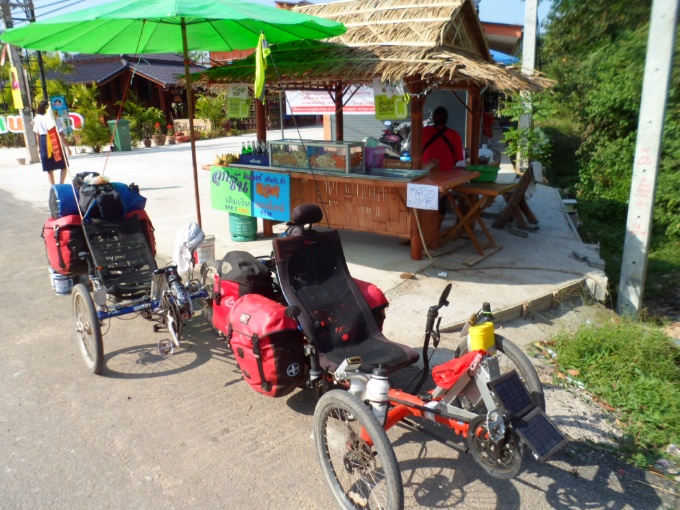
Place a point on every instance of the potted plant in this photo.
(158, 136)
(147, 133)
(171, 135)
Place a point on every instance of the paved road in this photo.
(188, 433)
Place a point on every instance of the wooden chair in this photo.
(516, 207)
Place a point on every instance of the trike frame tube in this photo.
(140, 305)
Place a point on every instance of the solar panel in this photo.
(542, 436)
(512, 393)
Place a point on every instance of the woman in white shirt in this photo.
(49, 164)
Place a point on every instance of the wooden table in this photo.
(475, 197)
(445, 181)
(370, 204)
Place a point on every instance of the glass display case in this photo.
(341, 157)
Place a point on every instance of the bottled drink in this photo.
(243, 147)
(249, 148)
(377, 389)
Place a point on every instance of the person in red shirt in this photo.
(442, 143)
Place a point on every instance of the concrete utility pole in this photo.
(25, 112)
(528, 63)
(658, 65)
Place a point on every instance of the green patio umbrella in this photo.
(162, 26)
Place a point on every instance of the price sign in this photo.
(422, 196)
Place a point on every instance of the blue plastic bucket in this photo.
(63, 284)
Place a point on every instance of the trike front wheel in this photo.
(88, 330)
(512, 357)
(357, 459)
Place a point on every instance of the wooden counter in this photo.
(369, 203)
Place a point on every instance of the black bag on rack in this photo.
(101, 202)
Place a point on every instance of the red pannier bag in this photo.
(64, 241)
(147, 227)
(238, 274)
(267, 345)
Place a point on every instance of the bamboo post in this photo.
(339, 120)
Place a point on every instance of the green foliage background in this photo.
(596, 52)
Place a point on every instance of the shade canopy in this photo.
(162, 26)
(154, 26)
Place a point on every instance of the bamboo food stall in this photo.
(438, 45)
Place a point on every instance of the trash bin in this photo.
(242, 228)
(121, 134)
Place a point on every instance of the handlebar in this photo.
(432, 331)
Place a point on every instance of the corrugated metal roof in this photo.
(166, 69)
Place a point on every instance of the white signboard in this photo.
(422, 196)
(304, 102)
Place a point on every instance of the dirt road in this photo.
(186, 432)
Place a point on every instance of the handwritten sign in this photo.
(231, 190)
(271, 196)
(422, 196)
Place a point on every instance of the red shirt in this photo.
(440, 150)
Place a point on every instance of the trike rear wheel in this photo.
(88, 329)
(357, 459)
(512, 357)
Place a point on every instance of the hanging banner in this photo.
(60, 109)
(311, 102)
(16, 91)
(271, 196)
(15, 124)
(231, 190)
(390, 102)
(238, 101)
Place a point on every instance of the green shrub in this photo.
(212, 108)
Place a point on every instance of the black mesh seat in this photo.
(313, 275)
(122, 256)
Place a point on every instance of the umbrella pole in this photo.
(190, 101)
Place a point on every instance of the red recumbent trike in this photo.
(298, 318)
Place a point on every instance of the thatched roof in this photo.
(408, 23)
(441, 41)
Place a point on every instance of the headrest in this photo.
(305, 214)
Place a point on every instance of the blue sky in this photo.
(499, 11)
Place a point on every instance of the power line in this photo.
(36, 7)
(62, 8)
